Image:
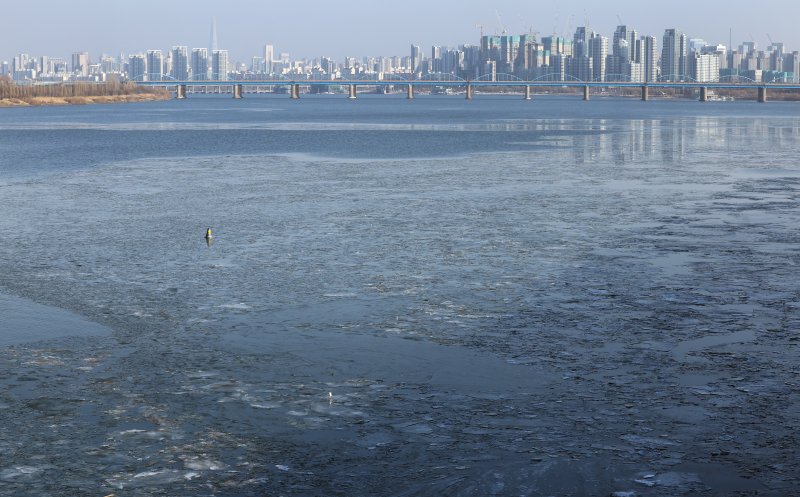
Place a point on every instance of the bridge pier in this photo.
(294, 91)
(645, 93)
(704, 94)
(586, 93)
(180, 92)
(410, 92)
(762, 95)
(528, 92)
(469, 91)
(352, 95)
(237, 91)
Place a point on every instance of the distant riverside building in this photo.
(416, 58)
(598, 46)
(704, 68)
(269, 56)
(107, 64)
(581, 41)
(199, 64)
(155, 65)
(180, 63)
(650, 58)
(673, 56)
(80, 63)
(625, 61)
(219, 65)
(257, 65)
(21, 63)
(137, 67)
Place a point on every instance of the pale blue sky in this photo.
(309, 28)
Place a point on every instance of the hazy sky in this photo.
(310, 28)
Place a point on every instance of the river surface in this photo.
(426, 298)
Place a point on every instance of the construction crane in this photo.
(620, 20)
(480, 26)
(500, 22)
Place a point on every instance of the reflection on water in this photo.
(666, 140)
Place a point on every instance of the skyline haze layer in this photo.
(367, 28)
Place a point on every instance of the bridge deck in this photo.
(478, 83)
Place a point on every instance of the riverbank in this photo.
(99, 99)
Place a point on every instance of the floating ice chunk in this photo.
(624, 494)
(265, 405)
(198, 464)
(240, 306)
(18, 471)
(282, 467)
(131, 432)
(647, 483)
(202, 374)
(148, 478)
(647, 441)
(148, 474)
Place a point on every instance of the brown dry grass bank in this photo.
(106, 99)
(12, 95)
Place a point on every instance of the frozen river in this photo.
(401, 299)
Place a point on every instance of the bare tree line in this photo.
(8, 89)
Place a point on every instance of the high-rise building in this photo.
(219, 65)
(598, 46)
(673, 56)
(269, 57)
(416, 58)
(626, 53)
(436, 59)
(624, 37)
(704, 68)
(80, 63)
(453, 62)
(20, 62)
(137, 67)
(108, 64)
(650, 58)
(580, 68)
(509, 51)
(199, 64)
(581, 41)
(180, 63)
(155, 65)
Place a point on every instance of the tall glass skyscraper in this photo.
(673, 56)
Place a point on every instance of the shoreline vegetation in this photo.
(12, 95)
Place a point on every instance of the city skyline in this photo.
(359, 28)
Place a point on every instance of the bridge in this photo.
(293, 86)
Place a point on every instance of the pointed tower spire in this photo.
(214, 35)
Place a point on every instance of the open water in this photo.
(401, 298)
